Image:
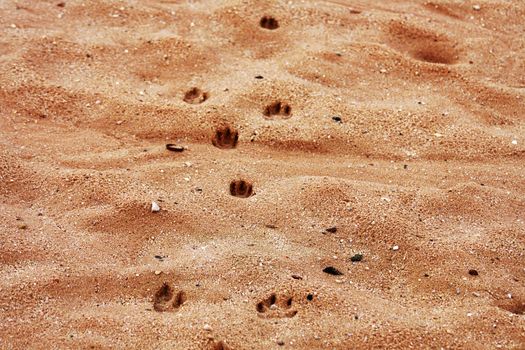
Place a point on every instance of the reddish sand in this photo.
(397, 125)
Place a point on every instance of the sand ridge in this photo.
(311, 132)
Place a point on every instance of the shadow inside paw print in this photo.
(274, 307)
(166, 300)
(241, 188)
(195, 96)
(277, 110)
(225, 137)
(220, 345)
(268, 22)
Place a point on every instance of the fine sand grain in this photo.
(340, 174)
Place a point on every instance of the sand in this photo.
(304, 133)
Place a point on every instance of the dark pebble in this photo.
(357, 257)
(310, 297)
(297, 277)
(174, 148)
(473, 272)
(331, 229)
(332, 271)
(259, 77)
(337, 119)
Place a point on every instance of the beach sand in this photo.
(311, 134)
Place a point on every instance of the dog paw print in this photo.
(274, 307)
(268, 22)
(166, 300)
(220, 345)
(241, 188)
(225, 137)
(195, 96)
(278, 110)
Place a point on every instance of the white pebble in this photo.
(514, 142)
(207, 327)
(394, 248)
(155, 207)
(476, 7)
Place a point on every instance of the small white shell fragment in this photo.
(154, 207)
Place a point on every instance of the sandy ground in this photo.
(313, 131)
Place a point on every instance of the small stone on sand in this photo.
(174, 148)
(356, 257)
(154, 207)
(331, 229)
(332, 271)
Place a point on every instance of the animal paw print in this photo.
(278, 110)
(166, 300)
(241, 188)
(220, 345)
(195, 96)
(225, 137)
(273, 307)
(268, 22)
